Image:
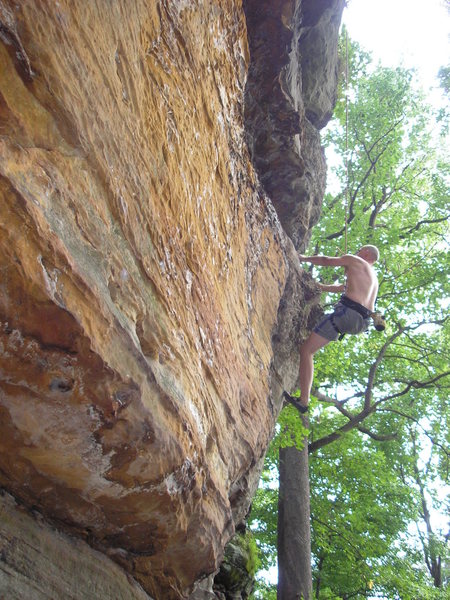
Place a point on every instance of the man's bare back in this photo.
(362, 282)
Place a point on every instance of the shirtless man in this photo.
(351, 314)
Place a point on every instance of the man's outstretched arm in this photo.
(332, 287)
(327, 261)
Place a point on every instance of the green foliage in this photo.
(375, 486)
(263, 521)
(359, 510)
(397, 200)
(253, 560)
(265, 591)
(239, 566)
(290, 431)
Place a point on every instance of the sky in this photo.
(414, 33)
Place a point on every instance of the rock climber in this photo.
(351, 314)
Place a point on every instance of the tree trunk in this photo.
(294, 536)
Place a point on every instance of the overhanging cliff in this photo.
(151, 304)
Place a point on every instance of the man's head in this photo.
(369, 253)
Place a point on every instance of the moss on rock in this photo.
(236, 577)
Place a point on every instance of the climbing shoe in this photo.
(294, 401)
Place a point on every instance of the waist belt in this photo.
(349, 303)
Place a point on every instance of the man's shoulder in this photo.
(352, 260)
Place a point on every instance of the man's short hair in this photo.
(373, 251)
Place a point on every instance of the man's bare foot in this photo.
(302, 408)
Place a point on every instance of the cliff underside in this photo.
(160, 163)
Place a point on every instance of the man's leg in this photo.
(307, 351)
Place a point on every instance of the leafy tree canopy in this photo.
(379, 428)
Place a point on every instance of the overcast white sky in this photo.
(412, 32)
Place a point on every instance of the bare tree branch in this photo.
(339, 405)
(432, 558)
(423, 222)
(354, 194)
(338, 534)
(417, 384)
(355, 420)
(332, 437)
(379, 437)
(376, 364)
(400, 413)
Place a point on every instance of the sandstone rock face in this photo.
(151, 303)
(40, 563)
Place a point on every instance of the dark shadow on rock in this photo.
(290, 96)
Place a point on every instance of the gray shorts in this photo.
(346, 320)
